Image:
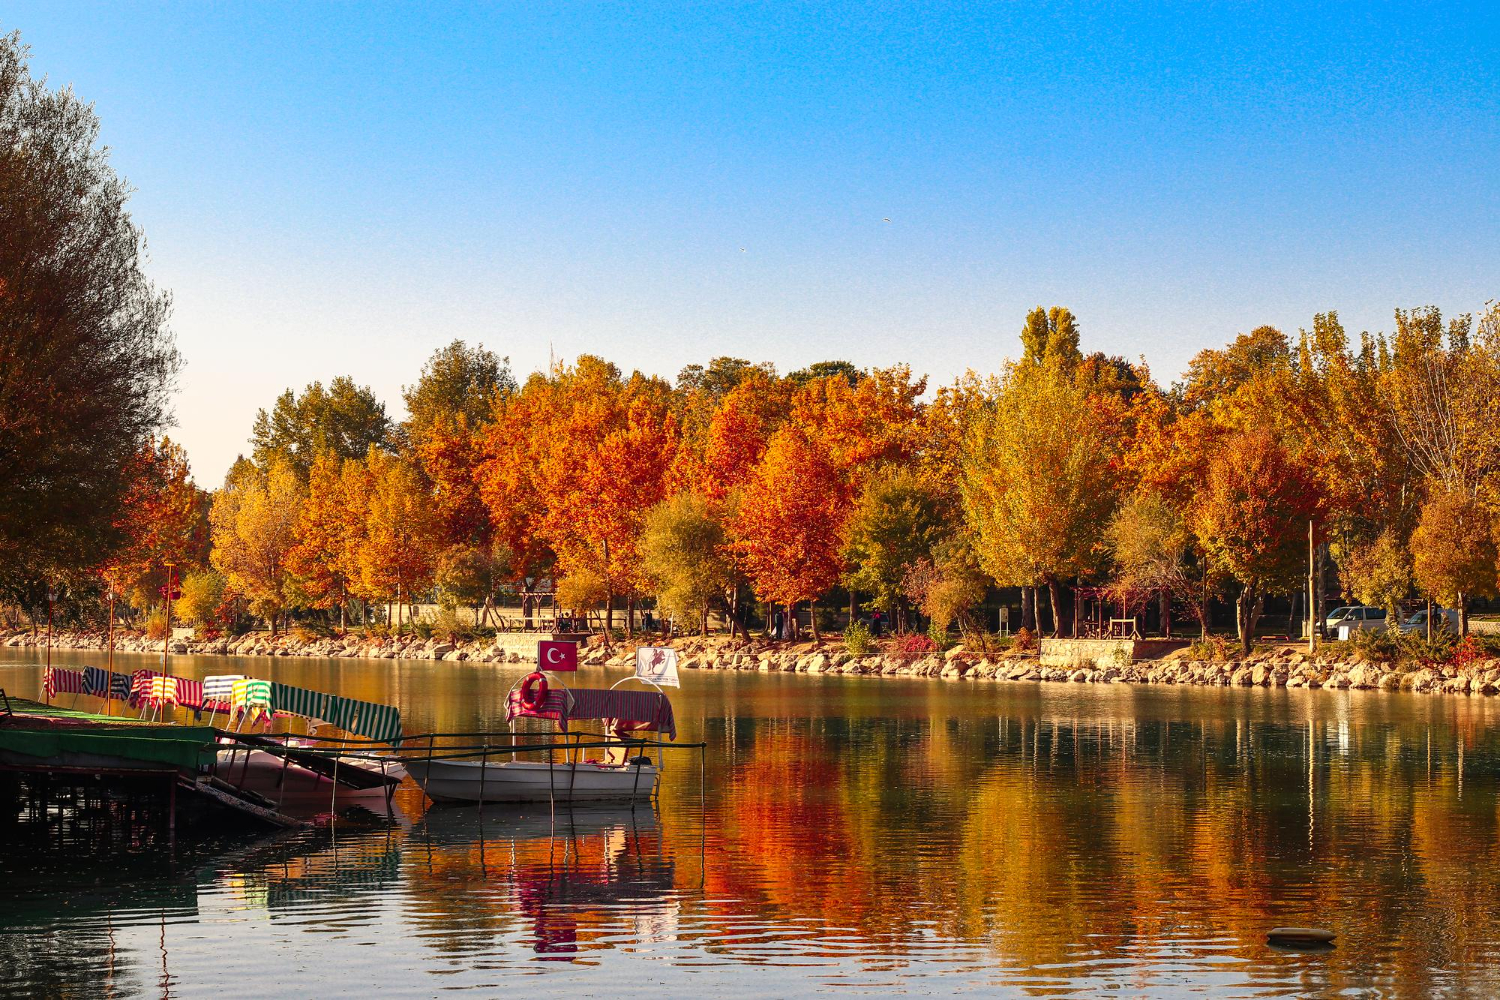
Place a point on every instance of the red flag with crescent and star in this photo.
(554, 655)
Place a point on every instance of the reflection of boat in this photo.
(533, 781)
(452, 775)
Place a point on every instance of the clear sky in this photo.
(334, 189)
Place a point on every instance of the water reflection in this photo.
(1058, 840)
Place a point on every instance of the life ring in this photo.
(534, 691)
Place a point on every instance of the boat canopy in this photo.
(623, 711)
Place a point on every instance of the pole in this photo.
(166, 643)
(1312, 594)
(49, 636)
(109, 682)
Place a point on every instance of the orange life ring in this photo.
(534, 691)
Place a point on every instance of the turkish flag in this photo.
(554, 655)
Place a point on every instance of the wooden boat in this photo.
(501, 775)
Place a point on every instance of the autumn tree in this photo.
(202, 600)
(344, 419)
(1251, 518)
(510, 448)
(396, 553)
(322, 560)
(1039, 482)
(1379, 573)
(786, 527)
(254, 526)
(89, 363)
(163, 520)
(602, 452)
(1454, 551)
(1152, 549)
(684, 553)
(948, 583)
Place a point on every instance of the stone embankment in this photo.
(1278, 667)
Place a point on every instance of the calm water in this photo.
(858, 836)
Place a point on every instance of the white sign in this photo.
(657, 664)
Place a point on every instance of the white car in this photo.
(1442, 618)
(1355, 617)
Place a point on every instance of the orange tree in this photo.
(787, 527)
(321, 559)
(510, 446)
(603, 448)
(1251, 517)
(163, 519)
(396, 553)
(1454, 550)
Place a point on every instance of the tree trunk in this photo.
(609, 613)
(1028, 609)
(1463, 615)
(853, 607)
(1248, 608)
(630, 617)
(1054, 598)
(1165, 612)
(812, 615)
(1320, 610)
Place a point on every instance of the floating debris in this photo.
(1300, 937)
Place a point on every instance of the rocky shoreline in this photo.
(1284, 666)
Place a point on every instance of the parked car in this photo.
(1355, 617)
(1442, 618)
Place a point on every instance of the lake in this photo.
(857, 836)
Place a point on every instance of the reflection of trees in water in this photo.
(1036, 832)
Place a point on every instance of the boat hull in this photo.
(530, 781)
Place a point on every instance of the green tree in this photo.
(202, 597)
(826, 369)
(721, 375)
(458, 383)
(344, 420)
(88, 361)
(684, 553)
(899, 518)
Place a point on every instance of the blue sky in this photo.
(332, 189)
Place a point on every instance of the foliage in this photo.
(344, 419)
(253, 523)
(156, 625)
(89, 363)
(842, 370)
(948, 585)
(899, 518)
(913, 644)
(684, 554)
(857, 639)
(1039, 479)
(465, 574)
(584, 589)
(202, 597)
(396, 555)
(723, 375)
(1024, 641)
(1454, 551)
(459, 385)
(939, 635)
(1379, 574)
(786, 529)
(1251, 517)
(1211, 647)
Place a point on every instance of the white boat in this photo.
(625, 773)
(532, 781)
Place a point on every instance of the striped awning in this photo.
(360, 718)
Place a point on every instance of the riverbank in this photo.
(1283, 665)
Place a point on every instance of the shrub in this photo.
(1213, 647)
(939, 635)
(857, 640)
(156, 625)
(303, 633)
(1467, 653)
(1024, 641)
(914, 644)
(978, 641)
(206, 633)
(424, 628)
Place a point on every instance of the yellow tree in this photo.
(319, 561)
(396, 550)
(1040, 481)
(254, 527)
(1454, 551)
